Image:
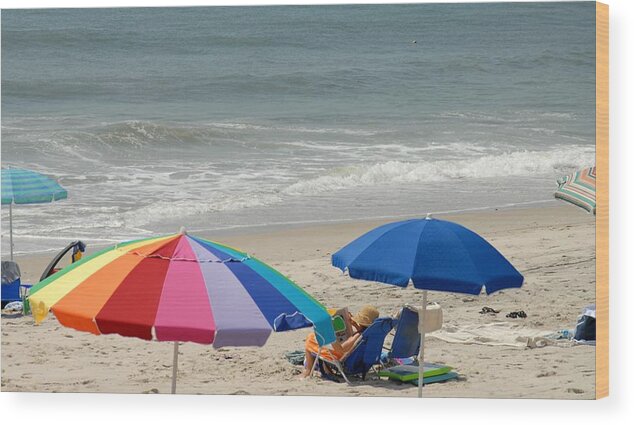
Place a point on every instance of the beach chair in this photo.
(10, 287)
(365, 354)
(406, 342)
(405, 345)
(77, 247)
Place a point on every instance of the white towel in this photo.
(499, 334)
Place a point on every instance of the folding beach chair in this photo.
(10, 287)
(77, 247)
(365, 354)
(406, 344)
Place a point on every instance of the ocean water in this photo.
(224, 118)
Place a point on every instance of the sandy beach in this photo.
(551, 245)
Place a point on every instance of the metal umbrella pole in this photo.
(175, 367)
(11, 228)
(421, 351)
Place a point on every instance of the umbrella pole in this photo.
(312, 369)
(175, 367)
(11, 229)
(421, 351)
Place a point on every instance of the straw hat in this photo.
(366, 315)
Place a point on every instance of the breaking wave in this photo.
(512, 164)
(529, 164)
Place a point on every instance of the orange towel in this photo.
(328, 354)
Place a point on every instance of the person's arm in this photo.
(352, 322)
(349, 343)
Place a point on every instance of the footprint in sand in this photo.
(575, 390)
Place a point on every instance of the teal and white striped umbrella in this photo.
(20, 186)
(579, 188)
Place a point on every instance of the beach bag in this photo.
(433, 317)
(586, 329)
(10, 272)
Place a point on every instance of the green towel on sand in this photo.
(295, 357)
(438, 378)
(406, 373)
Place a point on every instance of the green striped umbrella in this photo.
(580, 188)
(20, 186)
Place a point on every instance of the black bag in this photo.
(586, 325)
(10, 272)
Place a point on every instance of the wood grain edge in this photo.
(602, 374)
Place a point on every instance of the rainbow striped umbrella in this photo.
(580, 188)
(178, 288)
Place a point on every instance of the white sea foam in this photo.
(162, 210)
(250, 193)
(519, 163)
(296, 129)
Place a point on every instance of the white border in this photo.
(143, 409)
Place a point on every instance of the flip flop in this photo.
(486, 310)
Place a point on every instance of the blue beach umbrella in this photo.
(21, 186)
(431, 254)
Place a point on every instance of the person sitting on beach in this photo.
(360, 322)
